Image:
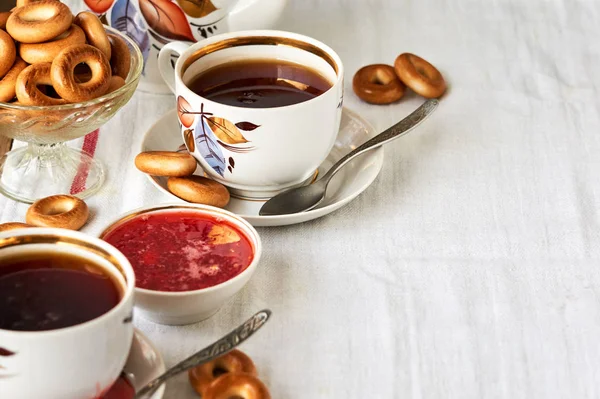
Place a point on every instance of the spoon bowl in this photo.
(302, 199)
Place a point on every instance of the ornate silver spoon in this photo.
(307, 197)
(211, 352)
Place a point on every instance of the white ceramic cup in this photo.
(186, 307)
(272, 148)
(153, 23)
(76, 362)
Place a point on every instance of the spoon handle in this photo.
(399, 129)
(211, 352)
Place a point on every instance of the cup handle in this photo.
(164, 62)
(255, 14)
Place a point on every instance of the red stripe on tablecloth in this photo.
(89, 147)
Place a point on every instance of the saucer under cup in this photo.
(346, 185)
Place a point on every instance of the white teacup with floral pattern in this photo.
(256, 152)
(154, 23)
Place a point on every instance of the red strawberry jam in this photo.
(182, 250)
(121, 389)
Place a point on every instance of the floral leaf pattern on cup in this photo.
(5, 352)
(205, 139)
(184, 112)
(247, 126)
(229, 135)
(99, 6)
(207, 29)
(206, 143)
(211, 132)
(166, 19)
(197, 8)
(125, 17)
(226, 131)
(188, 138)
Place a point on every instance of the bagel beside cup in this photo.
(74, 362)
(288, 143)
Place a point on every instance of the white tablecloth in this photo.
(469, 269)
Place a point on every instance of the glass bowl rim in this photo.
(132, 78)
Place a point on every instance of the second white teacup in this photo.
(256, 152)
(80, 359)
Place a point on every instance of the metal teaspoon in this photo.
(211, 352)
(305, 198)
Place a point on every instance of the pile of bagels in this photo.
(385, 84)
(43, 46)
(178, 168)
(232, 375)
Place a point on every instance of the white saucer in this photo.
(352, 180)
(144, 364)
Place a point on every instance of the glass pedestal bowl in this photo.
(46, 166)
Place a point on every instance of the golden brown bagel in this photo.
(9, 81)
(233, 362)
(63, 211)
(377, 84)
(94, 31)
(237, 385)
(3, 18)
(199, 190)
(120, 59)
(63, 78)
(21, 3)
(27, 89)
(418, 74)
(39, 21)
(8, 53)
(13, 226)
(47, 51)
(166, 163)
(116, 82)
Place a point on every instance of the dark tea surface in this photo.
(49, 291)
(259, 83)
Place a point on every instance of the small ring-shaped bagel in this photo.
(233, 362)
(27, 89)
(13, 226)
(120, 60)
(63, 75)
(3, 18)
(94, 31)
(63, 211)
(116, 82)
(46, 52)
(9, 81)
(8, 52)
(377, 84)
(166, 163)
(39, 21)
(418, 74)
(21, 3)
(199, 190)
(243, 386)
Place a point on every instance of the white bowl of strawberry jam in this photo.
(188, 259)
